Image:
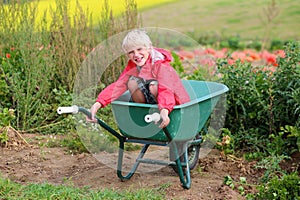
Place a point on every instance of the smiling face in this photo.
(139, 55)
(137, 45)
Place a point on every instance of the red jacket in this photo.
(170, 89)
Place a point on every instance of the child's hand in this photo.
(165, 120)
(93, 111)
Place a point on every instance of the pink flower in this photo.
(252, 54)
(199, 52)
(207, 61)
(269, 58)
(186, 54)
(210, 51)
(237, 55)
(230, 61)
(280, 53)
(220, 54)
(83, 55)
(7, 55)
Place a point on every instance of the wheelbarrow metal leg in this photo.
(185, 178)
(136, 164)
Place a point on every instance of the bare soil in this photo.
(27, 162)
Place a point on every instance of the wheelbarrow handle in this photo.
(68, 110)
(154, 117)
(75, 109)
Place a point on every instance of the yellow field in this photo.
(95, 6)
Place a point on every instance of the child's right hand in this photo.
(165, 120)
(93, 111)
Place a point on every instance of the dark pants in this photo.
(144, 87)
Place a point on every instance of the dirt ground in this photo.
(25, 163)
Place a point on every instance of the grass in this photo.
(11, 190)
(229, 17)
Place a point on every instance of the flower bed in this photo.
(207, 57)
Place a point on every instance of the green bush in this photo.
(286, 88)
(285, 188)
(255, 44)
(277, 44)
(260, 102)
(247, 113)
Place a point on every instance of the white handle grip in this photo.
(155, 117)
(70, 109)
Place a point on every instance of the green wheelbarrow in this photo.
(183, 136)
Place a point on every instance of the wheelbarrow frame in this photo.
(178, 145)
(182, 166)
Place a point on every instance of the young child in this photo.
(148, 76)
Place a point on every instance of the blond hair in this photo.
(136, 38)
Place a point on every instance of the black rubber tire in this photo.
(193, 155)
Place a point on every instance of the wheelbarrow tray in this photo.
(186, 120)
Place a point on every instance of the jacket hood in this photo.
(160, 54)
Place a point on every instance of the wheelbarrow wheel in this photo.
(193, 155)
(193, 152)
